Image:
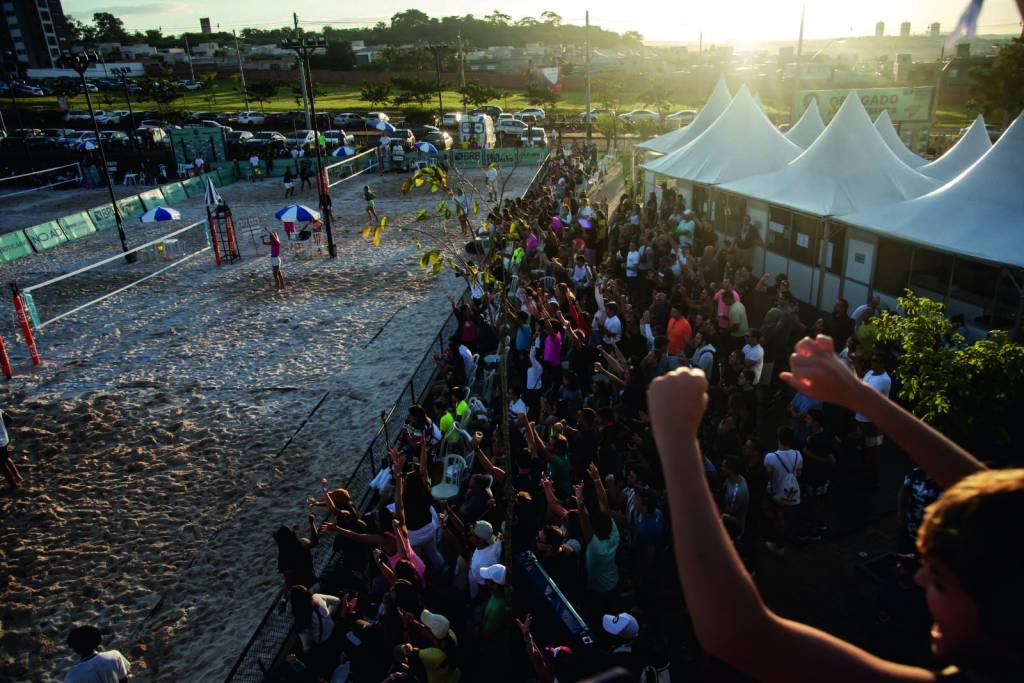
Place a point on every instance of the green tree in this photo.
(261, 91)
(416, 90)
(608, 127)
(971, 392)
(633, 38)
(542, 96)
(551, 18)
(498, 18)
(108, 28)
(999, 90)
(375, 94)
(477, 94)
(163, 93)
(657, 96)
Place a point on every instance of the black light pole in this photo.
(304, 46)
(122, 73)
(79, 62)
(437, 50)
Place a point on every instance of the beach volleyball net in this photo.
(66, 176)
(349, 167)
(93, 283)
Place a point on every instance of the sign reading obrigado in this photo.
(903, 104)
(909, 108)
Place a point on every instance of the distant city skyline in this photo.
(726, 21)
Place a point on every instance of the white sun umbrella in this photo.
(159, 214)
(297, 213)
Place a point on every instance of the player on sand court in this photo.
(369, 196)
(274, 242)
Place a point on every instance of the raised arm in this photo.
(747, 636)
(485, 462)
(555, 508)
(585, 527)
(385, 569)
(816, 371)
(602, 494)
(540, 665)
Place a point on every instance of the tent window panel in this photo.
(974, 283)
(803, 246)
(779, 227)
(1007, 298)
(891, 266)
(701, 202)
(931, 272)
(731, 210)
(832, 254)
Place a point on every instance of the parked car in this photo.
(78, 136)
(534, 137)
(251, 118)
(49, 138)
(150, 123)
(640, 114)
(208, 123)
(26, 90)
(200, 115)
(337, 137)
(112, 118)
(421, 129)
(531, 114)
(155, 136)
(91, 87)
(190, 85)
(348, 120)
(403, 136)
(265, 139)
(225, 118)
(80, 115)
(451, 119)
(510, 126)
(115, 138)
(303, 139)
(239, 137)
(439, 139)
(490, 110)
(375, 116)
(683, 117)
(596, 114)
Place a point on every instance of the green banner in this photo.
(205, 143)
(227, 175)
(503, 156)
(173, 193)
(152, 198)
(46, 235)
(130, 207)
(531, 156)
(903, 104)
(462, 158)
(103, 217)
(77, 225)
(14, 245)
(194, 186)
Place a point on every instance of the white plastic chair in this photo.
(455, 469)
(548, 283)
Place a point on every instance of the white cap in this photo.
(623, 626)
(495, 573)
(437, 623)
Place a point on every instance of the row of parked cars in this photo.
(50, 86)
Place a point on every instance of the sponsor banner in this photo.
(46, 235)
(77, 225)
(103, 217)
(152, 198)
(14, 245)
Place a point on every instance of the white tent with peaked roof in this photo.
(848, 168)
(808, 128)
(979, 215)
(742, 142)
(971, 146)
(883, 124)
(669, 142)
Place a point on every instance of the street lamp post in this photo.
(79, 62)
(303, 46)
(122, 73)
(437, 50)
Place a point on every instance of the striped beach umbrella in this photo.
(160, 213)
(426, 148)
(384, 127)
(297, 213)
(344, 151)
(86, 146)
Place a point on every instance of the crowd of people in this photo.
(521, 527)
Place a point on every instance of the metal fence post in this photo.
(384, 421)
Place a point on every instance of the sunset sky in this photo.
(736, 21)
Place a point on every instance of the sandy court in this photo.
(151, 438)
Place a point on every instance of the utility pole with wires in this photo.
(799, 67)
(303, 65)
(437, 50)
(590, 116)
(462, 75)
(241, 71)
(188, 53)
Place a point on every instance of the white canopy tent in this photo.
(808, 128)
(979, 215)
(846, 169)
(883, 124)
(971, 146)
(712, 109)
(742, 142)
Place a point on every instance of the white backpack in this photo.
(788, 492)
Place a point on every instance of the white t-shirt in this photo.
(754, 355)
(612, 330)
(632, 263)
(254, 161)
(778, 463)
(704, 358)
(4, 439)
(468, 363)
(103, 667)
(321, 626)
(534, 373)
(881, 383)
(482, 557)
(492, 175)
